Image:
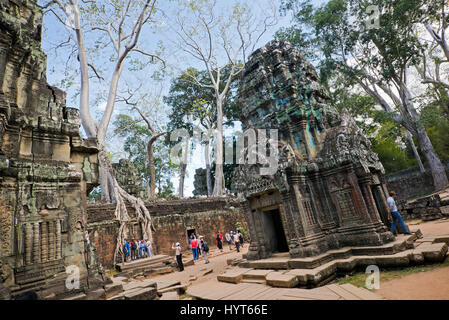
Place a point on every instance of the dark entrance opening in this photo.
(274, 231)
(190, 232)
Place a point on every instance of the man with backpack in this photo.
(133, 250)
(204, 249)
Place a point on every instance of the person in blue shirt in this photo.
(393, 209)
(126, 250)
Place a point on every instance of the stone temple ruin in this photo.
(328, 191)
(46, 169)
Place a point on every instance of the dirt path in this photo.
(429, 285)
(217, 263)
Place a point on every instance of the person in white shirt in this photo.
(393, 210)
(148, 248)
(178, 255)
(228, 240)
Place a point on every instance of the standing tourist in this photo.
(194, 245)
(178, 255)
(142, 249)
(219, 242)
(198, 247)
(148, 247)
(204, 249)
(240, 238)
(228, 240)
(133, 250)
(393, 210)
(126, 251)
(237, 241)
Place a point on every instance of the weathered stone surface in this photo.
(148, 293)
(325, 188)
(128, 178)
(433, 252)
(46, 168)
(233, 276)
(278, 279)
(171, 220)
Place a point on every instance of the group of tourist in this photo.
(234, 238)
(137, 249)
(199, 247)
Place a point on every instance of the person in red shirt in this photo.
(194, 245)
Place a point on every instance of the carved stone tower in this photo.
(328, 191)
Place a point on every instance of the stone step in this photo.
(144, 263)
(281, 280)
(233, 275)
(180, 289)
(257, 274)
(113, 289)
(259, 281)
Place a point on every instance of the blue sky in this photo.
(60, 68)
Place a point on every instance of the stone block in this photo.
(98, 294)
(113, 290)
(233, 275)
(149, 293)
(433, 252)
(281, 280)
(256, 274)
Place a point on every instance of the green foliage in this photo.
(136, 140)
(95, 194)
(243, 227)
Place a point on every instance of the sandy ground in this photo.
(217, 263)
(430, 285)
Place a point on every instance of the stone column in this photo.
(254, 246)
(44, 243)
(58, 239)
(36, 243)
(288, 223)
(28, 243)
(365, 183)
(51, 241)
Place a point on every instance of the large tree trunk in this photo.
(208, 171)
(440, 180)
(219, 177)
(121, 213)
(151, 163)
(415, 152)
(183, 169)
(105, 191)
(181, 180)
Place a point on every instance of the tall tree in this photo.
(122, 22)
(377, 57)
(186, 97)
(219, 37)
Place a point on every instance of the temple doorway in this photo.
(190, 232)
(274, 231)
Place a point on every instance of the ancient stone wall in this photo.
(171, 220)
(411, 183)
(46, 169)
